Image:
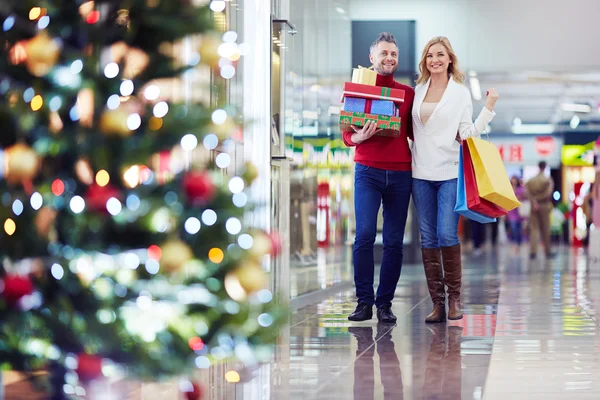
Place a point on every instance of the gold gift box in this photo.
(364, 76)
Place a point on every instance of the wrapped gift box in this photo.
(368, 106)
(355, 104)
(364, 76)
(382, 107)
(390, 125)
(373, 93)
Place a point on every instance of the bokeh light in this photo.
(216, 255)
(102, 178)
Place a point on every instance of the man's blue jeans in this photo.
(435, 202)
(372, 188)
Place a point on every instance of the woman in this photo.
(442, 107)
(515, 221)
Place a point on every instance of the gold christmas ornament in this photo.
(251, 276)
(250, 174)
(114, 123)
(42, 54)
(209, 51)
(224, 130)
(44, 222)
(175, 254)
(84, 172)
(85, 105)
(136, 60)
(262, 245)
(22, 163)
(55, 123)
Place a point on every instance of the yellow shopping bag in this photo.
(493, 183)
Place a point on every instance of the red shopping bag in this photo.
(474, 202)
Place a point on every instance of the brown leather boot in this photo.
(453, 279)
(432, 261)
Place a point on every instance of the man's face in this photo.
(385, 58)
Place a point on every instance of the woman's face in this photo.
(515, 182)
(437, 59)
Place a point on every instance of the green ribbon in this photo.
(386, 92)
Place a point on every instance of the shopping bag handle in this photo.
(460, 141)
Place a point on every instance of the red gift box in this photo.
(373, 92)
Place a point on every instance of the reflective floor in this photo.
(529, 332)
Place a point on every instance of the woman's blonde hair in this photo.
(453, 67)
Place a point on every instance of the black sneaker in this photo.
(363, 312)
(385, 315)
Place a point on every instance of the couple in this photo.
(436, 116)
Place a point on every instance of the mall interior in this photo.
(530, 328)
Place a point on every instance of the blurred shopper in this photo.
(479, 237)
(588, 207)
(539, 192)
(514, 219)
(442, 108)
(382, 175)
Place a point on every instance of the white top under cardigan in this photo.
(435, 150)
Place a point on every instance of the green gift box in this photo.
(390, 125)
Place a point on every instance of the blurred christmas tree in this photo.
(120, 254)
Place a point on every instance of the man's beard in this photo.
(380, 71)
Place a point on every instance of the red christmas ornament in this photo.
(15, 287)
(196, 394)
(89, 367)
(275, 243)
(198, 187)
(97, 196)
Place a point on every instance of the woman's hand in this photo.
(364, 133)
(492, 98)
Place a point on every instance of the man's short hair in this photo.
(542, 165)
(383, 37)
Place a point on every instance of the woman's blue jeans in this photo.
(435, 202)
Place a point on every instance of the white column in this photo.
(257, 105)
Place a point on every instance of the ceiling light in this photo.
(533, 129)
(517, 122)
(574, 122)
(582, 108)
(340, 10)
(475, 88)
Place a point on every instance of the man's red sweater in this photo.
(388, 153)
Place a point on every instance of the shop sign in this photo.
(575, 155)
(524, 151)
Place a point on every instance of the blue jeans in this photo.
(372, 188)
(435, 202)
(516, 231)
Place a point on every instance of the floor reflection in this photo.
(443, 375)
(364, 368)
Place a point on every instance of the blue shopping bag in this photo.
(461, 198)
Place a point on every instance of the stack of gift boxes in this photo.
(364, 101)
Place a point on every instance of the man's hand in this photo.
(364, 133)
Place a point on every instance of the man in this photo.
(539, 192)
(383, 176)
